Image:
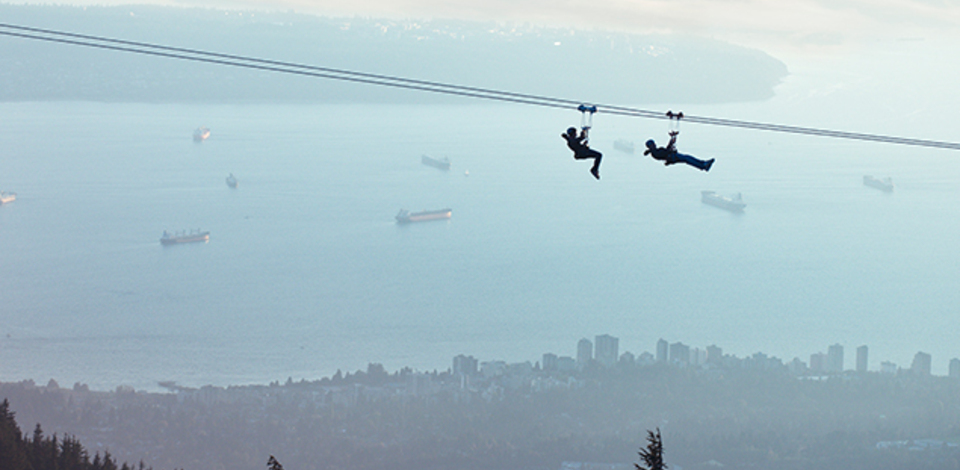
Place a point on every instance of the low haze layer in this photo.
(808, 26)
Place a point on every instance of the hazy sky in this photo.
(793, 26)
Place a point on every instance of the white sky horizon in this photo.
(794, 28)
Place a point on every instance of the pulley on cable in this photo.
(586, 116)
(674, 125)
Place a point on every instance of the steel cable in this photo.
(255, 63)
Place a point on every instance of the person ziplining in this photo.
(580, 143)
(328, 73)
(669, 154)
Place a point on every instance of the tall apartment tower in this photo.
(921, 364)
(818, 363)
(584, 352)
(955, 368)
(607, 350)
(834, 359)
(550, 362)
(679, 353)
(714, 354)
(662, 349)
(464, 365)
(862, 359)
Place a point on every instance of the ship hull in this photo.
(885, 185)
(192, 238)
(713, 199)
(440, 164)
(405, 217)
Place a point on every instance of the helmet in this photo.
(651, 144)
(572, 131)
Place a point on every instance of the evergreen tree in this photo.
(72, 455)
(13, 453)
(42, 452)
(18, 452)
(109, 463)
(652, 455)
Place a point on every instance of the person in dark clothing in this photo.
(669, 155)
(581, 150)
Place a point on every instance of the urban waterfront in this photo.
(560, 412)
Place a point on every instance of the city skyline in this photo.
(605, 346)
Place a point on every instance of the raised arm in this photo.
(672, 145)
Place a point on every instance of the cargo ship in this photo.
(624, 146)
(732, 204)
(6, 197)
(885, 185)
(201, 134)
(232, 181)
(184, 237)
(441, 164)
(406, 217)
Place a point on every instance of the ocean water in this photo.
(306, 271)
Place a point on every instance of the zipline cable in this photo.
(202, 53)
(288, 70)
(425, 85)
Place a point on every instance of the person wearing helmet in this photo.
(669, 155)
(581, 150)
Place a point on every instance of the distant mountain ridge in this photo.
(585, 65)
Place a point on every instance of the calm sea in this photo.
(306, 271)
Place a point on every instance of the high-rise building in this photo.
(695, 356)
(464, 365)
(520, 369)
(887, 367)
(818, 363)
(955, 368)
(714, 354)
(921, 364)
(862, 359)
(662, 348)
(646, 359)
(607, 350)
(549, 362)
(797, 367)
(679, 353)
(566, 364)
(493, 368)
(584, 352)
(834, 359)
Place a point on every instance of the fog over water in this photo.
(306, 271)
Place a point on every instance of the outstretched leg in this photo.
(694, 161)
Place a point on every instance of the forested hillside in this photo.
(41, 452)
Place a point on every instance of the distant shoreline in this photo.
(611, 67)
